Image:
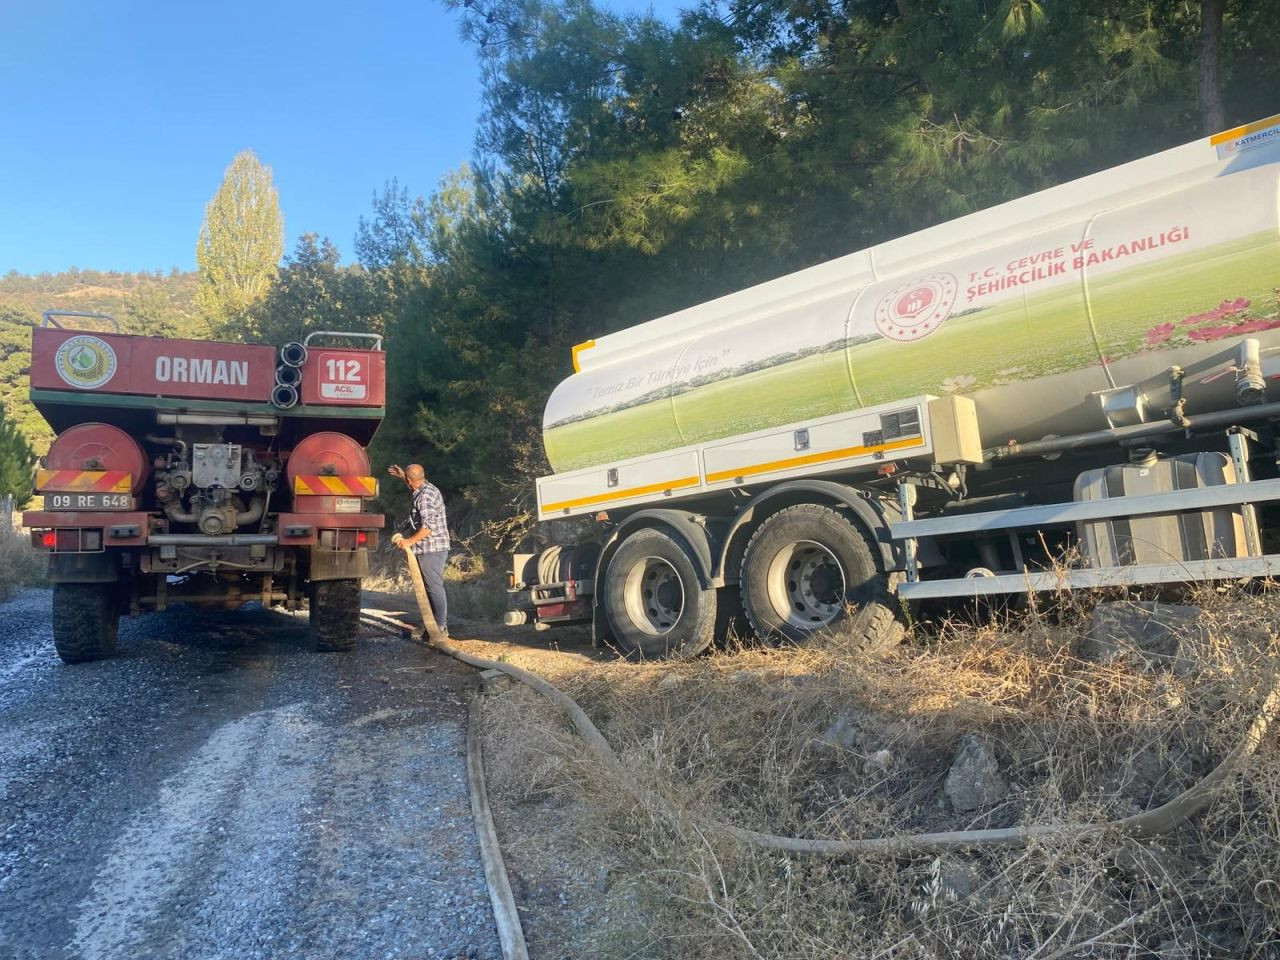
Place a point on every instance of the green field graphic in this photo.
(1013, 341)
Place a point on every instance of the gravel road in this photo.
(220, 791)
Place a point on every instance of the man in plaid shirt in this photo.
(429, 541)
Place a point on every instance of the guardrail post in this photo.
(1238, 441)
(907, 502)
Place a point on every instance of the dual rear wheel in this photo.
(808, 570)
(655, 601)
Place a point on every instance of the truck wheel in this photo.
(335, 614)
(655, 603)
(86, 619)
(808, 568)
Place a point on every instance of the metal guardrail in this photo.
(1177, 501)
(1049, 581)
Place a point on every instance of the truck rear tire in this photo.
(654, 601)
(808, 569)
(335, 614)
(86, 619)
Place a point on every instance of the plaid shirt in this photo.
(428, 511)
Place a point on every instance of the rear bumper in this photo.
(133, 528)
(302, 529)
(119, 528)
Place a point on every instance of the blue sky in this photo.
(119, 118)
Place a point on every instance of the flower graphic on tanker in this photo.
(1227, 308)
(913, 310)
(958, 384)
(1208, 326)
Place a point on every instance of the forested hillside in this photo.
(152, 303)
(626, 167)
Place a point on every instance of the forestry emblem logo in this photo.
(915, 309)
(85, 362)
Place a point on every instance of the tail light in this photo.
(347, 539)
(69, 540)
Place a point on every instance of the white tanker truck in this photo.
(1085, 373)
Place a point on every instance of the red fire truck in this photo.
(200, 472)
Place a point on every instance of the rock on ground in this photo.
(1152, 633)
(974, 781)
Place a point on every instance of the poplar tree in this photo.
(241, 242)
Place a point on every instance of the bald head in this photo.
(415, 474)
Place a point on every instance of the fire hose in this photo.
(1150, 823)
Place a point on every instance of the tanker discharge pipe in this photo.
(1139, 431)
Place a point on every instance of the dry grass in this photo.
(21, 565)
(740, 737)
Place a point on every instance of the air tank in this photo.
(1033, 308)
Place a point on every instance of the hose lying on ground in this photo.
(1150, 823)
(505, 914)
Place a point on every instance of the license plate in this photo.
(346, 505)
(88, 501)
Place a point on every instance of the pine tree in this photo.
(240, 245)
(16, 460)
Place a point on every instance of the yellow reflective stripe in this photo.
(329, 485)
(812, 458)
(1238, 132)
(747, 471)
(577, 349)
(622, 494)
(81, 481)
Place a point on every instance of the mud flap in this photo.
(84, 568)
(338, 564)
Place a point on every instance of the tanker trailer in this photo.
(1060, 391)
(207, 473)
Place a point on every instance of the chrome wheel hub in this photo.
(806, 585)
(653, 596)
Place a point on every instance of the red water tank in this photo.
(99, 446)
(327, 454)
